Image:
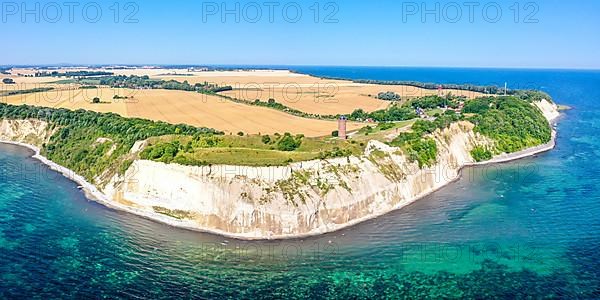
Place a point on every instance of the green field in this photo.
(245, 150)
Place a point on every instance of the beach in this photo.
(94, 194)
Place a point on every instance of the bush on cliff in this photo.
(480, 154)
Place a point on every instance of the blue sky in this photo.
(543, 34)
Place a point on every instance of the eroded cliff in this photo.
(33, 132)
(301, 199)
(305, 198)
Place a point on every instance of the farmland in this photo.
(303, 93)
(181, 107)
(307, 93)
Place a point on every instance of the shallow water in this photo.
(526, 228)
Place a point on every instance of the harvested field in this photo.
(307, 93)
(73, 98)
(212, 111)
(182, 107)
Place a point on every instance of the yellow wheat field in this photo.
(307, 93)
(182, 107)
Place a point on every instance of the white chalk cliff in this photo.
(306, 198)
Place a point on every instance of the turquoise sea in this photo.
(526, 229)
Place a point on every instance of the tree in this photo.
(388, 96)
(96, 100)
(335, 133)
(481, 154)
(266, 139)
(8, 81)
(288, 143)
(358, 114)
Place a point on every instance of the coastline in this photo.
(504, 158)
(93, 194)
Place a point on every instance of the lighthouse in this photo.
(342, 128)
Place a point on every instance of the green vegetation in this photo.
(386, 166)
(75, 142)
(388, 96)
(72, 74)
(247, 150)
(289, 142)
(266, 139)
(273, 104)
(514, 124)
(379, 131)
(177, 214)
(138, 82)
(417, 146)
(297, 187)
(88, 87)
(71, 81)
(531, 95)
(491, 89)
(478, 105)
(432, 102)
(481, 154)
(511, 121)
(28, 91)
(423, 151)
(393, 113)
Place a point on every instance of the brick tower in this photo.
(342, 127)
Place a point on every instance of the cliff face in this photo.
(301, 199)
(304, 198)
(33, 132)
(549, 109)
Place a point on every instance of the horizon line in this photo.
(283, 66)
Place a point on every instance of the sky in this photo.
(512, 34)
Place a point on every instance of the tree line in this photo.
(136, 82)
(75, 141)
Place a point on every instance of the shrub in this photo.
(289, 143)
(385, 126)
(388, 96)
(429, 102)
(266, 139)
(423, 151)
(481, 154)
(477, 106)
